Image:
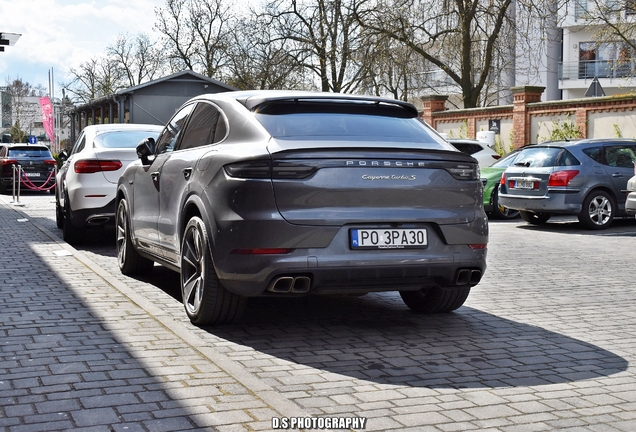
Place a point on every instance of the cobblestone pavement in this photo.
(546, 341)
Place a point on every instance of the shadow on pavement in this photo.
(376, 338)
(623, 227)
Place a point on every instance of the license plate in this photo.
(394, 238)
(524, 184)
(32, 174)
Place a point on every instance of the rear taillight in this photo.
(252, 169)
(562, 178)
(52, 162)
(88, 166)
(503, 179)
(8, 162)
(275, 170)
(462, 171)
(496, 156)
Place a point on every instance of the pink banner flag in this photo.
(47, 117)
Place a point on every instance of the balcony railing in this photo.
(584, 69)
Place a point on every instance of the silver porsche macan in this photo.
(276, 193)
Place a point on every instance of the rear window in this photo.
(123, 139)
(506, 161)
(350, 122)
(546, 157)
(26, 152)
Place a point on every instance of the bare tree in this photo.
(94, 78)
(255, 61)
(457, 36)
(23, 112)
(196, 34)
(137, 58)
(323, 35)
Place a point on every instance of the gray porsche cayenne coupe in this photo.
(276, 193)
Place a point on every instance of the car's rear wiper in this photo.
(524, 164)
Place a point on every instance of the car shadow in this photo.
(624, 227)
(376, 338)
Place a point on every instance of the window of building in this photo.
(580, 8)
(605, 60)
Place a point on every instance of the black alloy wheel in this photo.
(206, 301)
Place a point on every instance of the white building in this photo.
(583, 59)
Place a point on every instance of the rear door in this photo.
(147, 183)
(619, 166)
(196, 140)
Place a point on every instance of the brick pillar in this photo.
(430, 105)
(472, 127)
(522, 96)
(581, 121)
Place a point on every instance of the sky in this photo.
(58, 35)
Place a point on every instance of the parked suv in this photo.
(586, 178)
(38, 167)
(270, 193)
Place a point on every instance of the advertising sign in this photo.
(47, 117)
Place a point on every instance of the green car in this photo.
(490, 177)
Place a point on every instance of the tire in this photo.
(501, 212)
(435, 300)
(206, 301)
(129, 261)
(59, 215)
(598, 210)
(534, 218)
(70, 233)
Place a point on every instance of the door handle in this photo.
(155, 176)
(617, 175)
(187, 172)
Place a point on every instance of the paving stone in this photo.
(532, 349)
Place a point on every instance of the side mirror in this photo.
(145, 149)
(63, 155)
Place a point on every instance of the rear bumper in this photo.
(93, 217)
(556, 201)
(339, 269)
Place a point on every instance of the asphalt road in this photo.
(546, 341)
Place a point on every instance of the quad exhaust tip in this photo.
(468, 277)
(290, 284)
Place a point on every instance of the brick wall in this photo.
(530, 121)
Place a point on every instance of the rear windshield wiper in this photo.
(524, 164)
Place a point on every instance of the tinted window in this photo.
(168, 138)
(595, 153)
(35, 152)
(337, 121)
(122, 139)
(546, 157)
(506, 160)
(201, 127)
(620, 156)
(79, 144)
